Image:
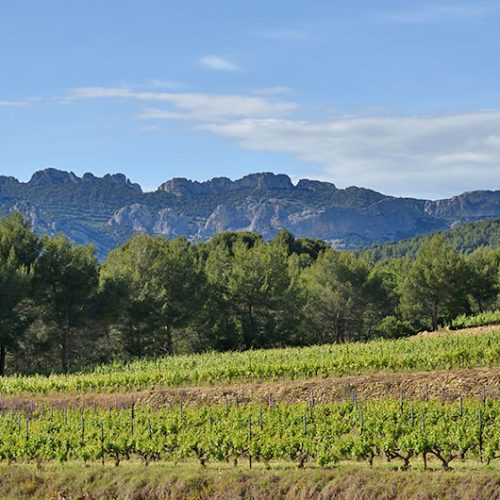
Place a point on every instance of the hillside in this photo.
(296, 412)
(465, 238)
(108, 210)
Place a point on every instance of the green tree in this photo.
(342, 296)
(66, 280)
(435, 287)
(163, 286)
(484, 268)
(260, 293)
(19, 248)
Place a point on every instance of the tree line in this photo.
(62, 309)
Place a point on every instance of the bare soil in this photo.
(446, 385)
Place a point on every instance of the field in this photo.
(387, 419)
(440, 352)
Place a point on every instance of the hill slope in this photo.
(465, 238)
(107, 210)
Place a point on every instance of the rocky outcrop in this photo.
(107, 210)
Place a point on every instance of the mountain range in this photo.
(107, 210)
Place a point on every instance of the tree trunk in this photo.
(434, 317)
(169, 346)
(64, 351)
(3, 351)
(250, 334)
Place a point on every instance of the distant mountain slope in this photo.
(108, 210)
(466, 238)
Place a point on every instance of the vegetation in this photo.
(419, 354)
(161, 481)
(465, 239)
(62, 310)
(481, 319)
(324, 434)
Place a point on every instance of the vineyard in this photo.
(454, 350)
(403, 432)
(481, 319)
(346, 417)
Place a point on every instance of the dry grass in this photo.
(135, 482)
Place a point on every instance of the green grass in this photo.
(481, 319)
(427, 353)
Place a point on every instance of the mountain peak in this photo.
(181, 186)
(51, 176)
(107, 210)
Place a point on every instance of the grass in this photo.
(134, 481)
(443, 352)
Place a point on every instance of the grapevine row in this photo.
(422, 354)
(324, 434)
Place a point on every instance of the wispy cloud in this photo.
(415, 156)
(271, 90)
(16, 104)
(422, 13)
(191, 106)
(422, 156)
(218, 63)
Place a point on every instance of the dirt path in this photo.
(442, 385)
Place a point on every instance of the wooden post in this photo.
(132, 417)
(102, 442)
(150, 431)
(480, 419)
(249, 441)
(361, 420)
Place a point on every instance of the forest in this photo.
(61, 309)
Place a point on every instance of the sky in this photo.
(399, 96)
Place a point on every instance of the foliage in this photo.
(324, 434)
(61, 309)
(442, 352)
(480, 319)
(466, 239)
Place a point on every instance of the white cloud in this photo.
(98, 93)
(218, 63)
(271, 90)
(413, 156)
(421, 156)
(15, 104)
(192, 106)
(429, 13)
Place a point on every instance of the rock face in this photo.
(107, 210)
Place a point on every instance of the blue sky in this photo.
(398, 96)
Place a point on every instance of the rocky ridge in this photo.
(107, 210)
